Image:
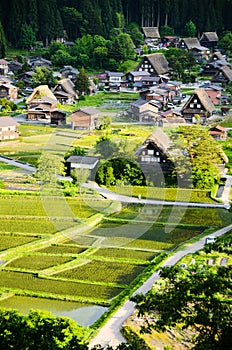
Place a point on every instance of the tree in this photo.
(119, 170)
(39, 330)
(43, 76)
(27, 38)
(82, 82)
(190, 29)
(80, 176)
(105, 122)
(166, 30)
(49, 166)
(76, 151)
(195, 157)
(225, 43)
(106, 147)
(62, 58)
(3, 44)
(196, 298)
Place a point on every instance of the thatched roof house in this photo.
(40, 91)
(209, 39)
(65, 91)
(151, 34)
(199, 104)
(153, 153)
(155, 64)
(223, 76)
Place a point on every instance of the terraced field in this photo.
(65, 252)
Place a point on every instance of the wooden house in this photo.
(8, 90)
(136, 76)
(69, 72)
(214, 92)
(8, 128)
(113, 79)
(65, 91)
(151, 34)
(156, 64)
(199, 104)
(144, 110)
(40, 62)
(209, 39)
(171, 118)
(193, 45)
(85, 118)
(153, 154)
(15, 66)
(4, 67)
(218, 133)
(223, 76)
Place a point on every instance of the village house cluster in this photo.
(161, 101)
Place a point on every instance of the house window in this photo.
(195, 101)
(150, 152)
(191, 105)
(152, 70)
(157, 153)
(198, 105)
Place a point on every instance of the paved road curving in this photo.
(110, 334)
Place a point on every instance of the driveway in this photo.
(110, 334)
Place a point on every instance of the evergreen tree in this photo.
(3, 44)
(27, 37)
(82, 82)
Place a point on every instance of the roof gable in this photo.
(151, 32)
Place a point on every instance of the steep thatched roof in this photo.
(151, 32)
(210, 36)
(192, 43)
(40, 91)
(159, 138)
(203, 98)
(227, 72)
(67, 86)
(159, 62)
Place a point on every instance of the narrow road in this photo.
(110, 333)
(126, 199)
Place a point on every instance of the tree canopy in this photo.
(196, 298)
(195, 160)
(52, 19)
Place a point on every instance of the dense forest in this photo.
(50, 19)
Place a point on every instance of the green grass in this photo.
(104, 272)
(4, 166)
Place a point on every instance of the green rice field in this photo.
(94, 265)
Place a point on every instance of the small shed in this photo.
(85, 118)
(8, 128)
(82, 162)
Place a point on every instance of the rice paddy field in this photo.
(43, 254)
